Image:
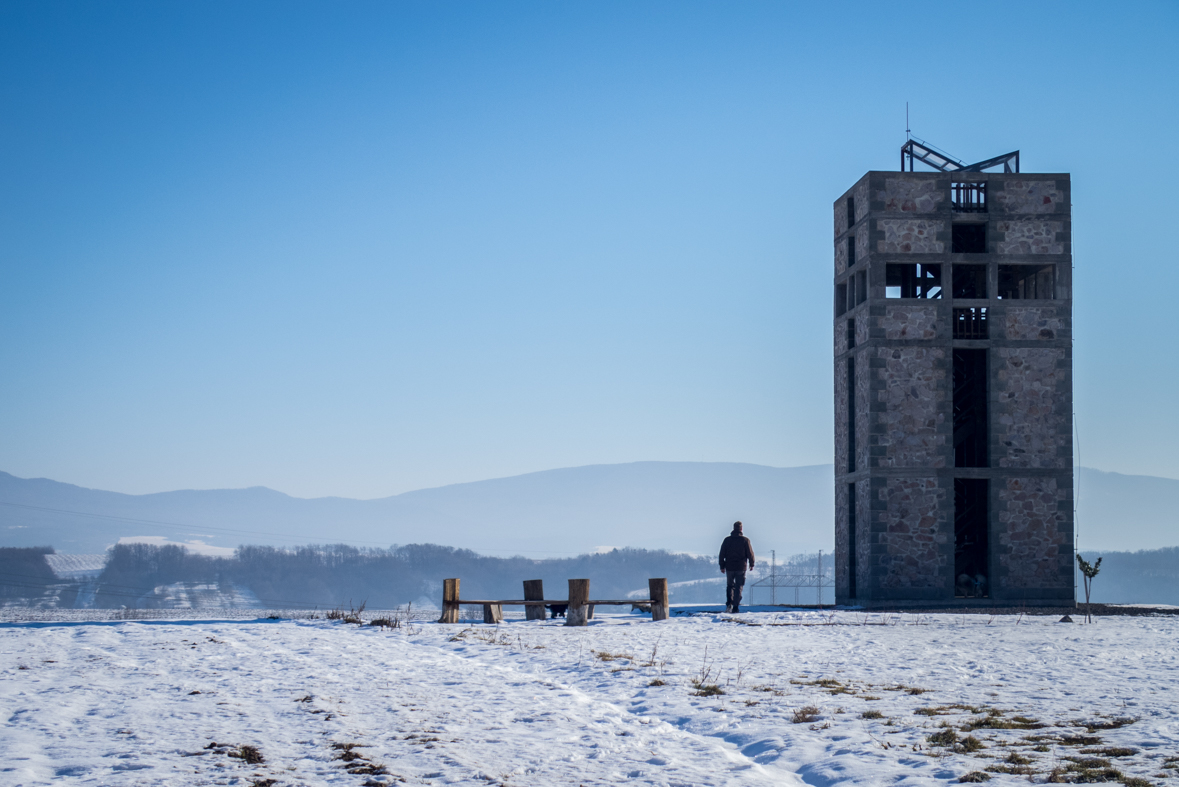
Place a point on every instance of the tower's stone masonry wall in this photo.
(840, 217)
(861, 195)
(910, 429)
(863, 394)
(904, 469)
(911, 531)
(1029, 237)
(841, 417)
(906, 195)
(862, 321)
(863, 330)
(910, 319)
(1030, 196)
(1033, 534)
(863, 534)
(910, 236)
(862, 244)
(1034, 322)
(1029, 422)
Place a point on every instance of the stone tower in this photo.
(953, 385)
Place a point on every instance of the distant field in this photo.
(764, 698)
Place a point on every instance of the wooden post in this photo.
(576, 614)
(534, 591)
(659, 599)
(450, 597)
(493, 613)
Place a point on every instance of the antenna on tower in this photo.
(907, 137)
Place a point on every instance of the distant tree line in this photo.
(134, 573)
(24, 574)
(334, 575)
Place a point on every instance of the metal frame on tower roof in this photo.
(915, 151)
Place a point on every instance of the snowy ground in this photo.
(169, 703)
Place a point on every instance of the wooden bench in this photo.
(579, 607)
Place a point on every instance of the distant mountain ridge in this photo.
(682, 506)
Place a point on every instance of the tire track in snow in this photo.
(681, 756)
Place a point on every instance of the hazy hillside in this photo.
(681, 506)
(685, 506)
(1143, 577)
(1127, 512)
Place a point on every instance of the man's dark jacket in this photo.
(735, 551)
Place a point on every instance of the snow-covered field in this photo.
(171, 703)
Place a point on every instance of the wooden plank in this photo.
(659, 600)
(577, 614)
(513, 602)
(618, 602)
(508, 602)
(534, 591)
(493, 613)
(450, 601)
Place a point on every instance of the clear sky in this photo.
(361, 248)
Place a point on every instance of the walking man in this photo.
(736, 553)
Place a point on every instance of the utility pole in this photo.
(773, 579)
(820, 581)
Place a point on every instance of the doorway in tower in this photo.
(971, 571)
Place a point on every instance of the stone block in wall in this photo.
(840, 257)
(840, 217)
(861, 195)
(910, 195)
(1031, 422)
(910, 236)
(1033, 534)
(911, 393)
(1033, 322)
(1030, 196)
(910, 319)
(910, 533)
(862, 330)
(1029, 237)
(862, 245)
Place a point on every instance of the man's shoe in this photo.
(736, 610)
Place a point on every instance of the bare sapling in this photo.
(1088, 572)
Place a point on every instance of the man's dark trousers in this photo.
(734, 581)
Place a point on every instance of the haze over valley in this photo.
(677, 506)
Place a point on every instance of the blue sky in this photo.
(360, 248)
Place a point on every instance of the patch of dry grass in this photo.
(805, 714)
